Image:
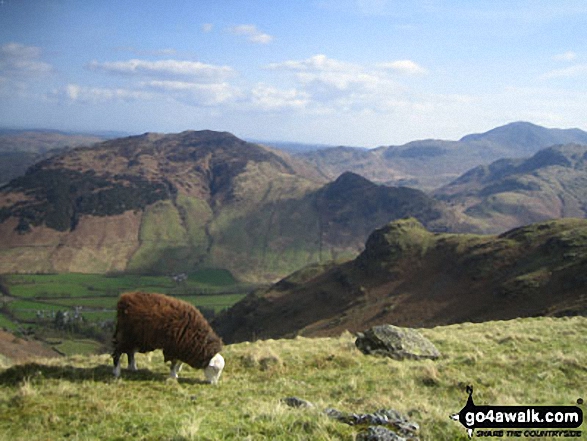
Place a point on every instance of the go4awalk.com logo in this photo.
(520, 421)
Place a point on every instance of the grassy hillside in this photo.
(512, 192)
(539, 361)
(182, 202)
(410, 276)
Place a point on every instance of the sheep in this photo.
(148, 321)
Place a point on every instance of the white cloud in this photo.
(406, 67)
(568, 72)
(567, 56)
(165, 69)
(270, 98)
(318, 62)
(167, 52)
(319, 71)
(194, 93)
(189, 93)
(17, 60)
(253, 34)
(335, 85)
(207, 28)
(77, 93)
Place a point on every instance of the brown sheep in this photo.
(146, 322)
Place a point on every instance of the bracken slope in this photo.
(409, 276)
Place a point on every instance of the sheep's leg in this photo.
(175, 368)
(116, 360)
(132, 363)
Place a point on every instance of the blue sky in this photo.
(352, 72)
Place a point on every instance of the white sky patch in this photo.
(164, 68)
(166, 52)
(207, 28)
(321, 73)
(318, 62)
(404, 67)
(77, 93)
(17, 60)
(334, 85)
(567, 56)
(579, 70)
(253, 34)
(271, 98)
(194, 93)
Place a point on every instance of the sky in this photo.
(338, 72)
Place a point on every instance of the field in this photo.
(36, 301)
(536, 361)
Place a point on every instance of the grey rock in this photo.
(395, 342)
(389, 418)
(296, 402)
(382, 425)
(378, 433)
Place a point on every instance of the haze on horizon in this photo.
(352, 72)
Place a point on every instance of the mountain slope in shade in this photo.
(430, 164)
(409, 276)
(551, 184)
(330, 222)
(178, 202)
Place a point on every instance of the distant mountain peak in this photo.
(351, 179)
(528, 136)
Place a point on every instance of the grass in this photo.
(172, 237)
(73, 347)
(537, 361)
(98, 294)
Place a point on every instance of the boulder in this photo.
(395, 342)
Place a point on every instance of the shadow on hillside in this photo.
(103, 373)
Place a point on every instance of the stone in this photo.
(378, 433)
(395, 342)
(296, 402)
(390, 418)
(382, 425)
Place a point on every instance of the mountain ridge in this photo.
(432, 163)
(506, 193)
(192, 199)
(412, 277)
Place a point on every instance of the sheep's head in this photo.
(214, 369)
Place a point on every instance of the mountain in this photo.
(409, 276)
(524, 138)
(177, 202)
(511, 192)
(293, 147)
(19, 149)
(430, 164)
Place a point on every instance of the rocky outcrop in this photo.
(381, 425)
(397, 343)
